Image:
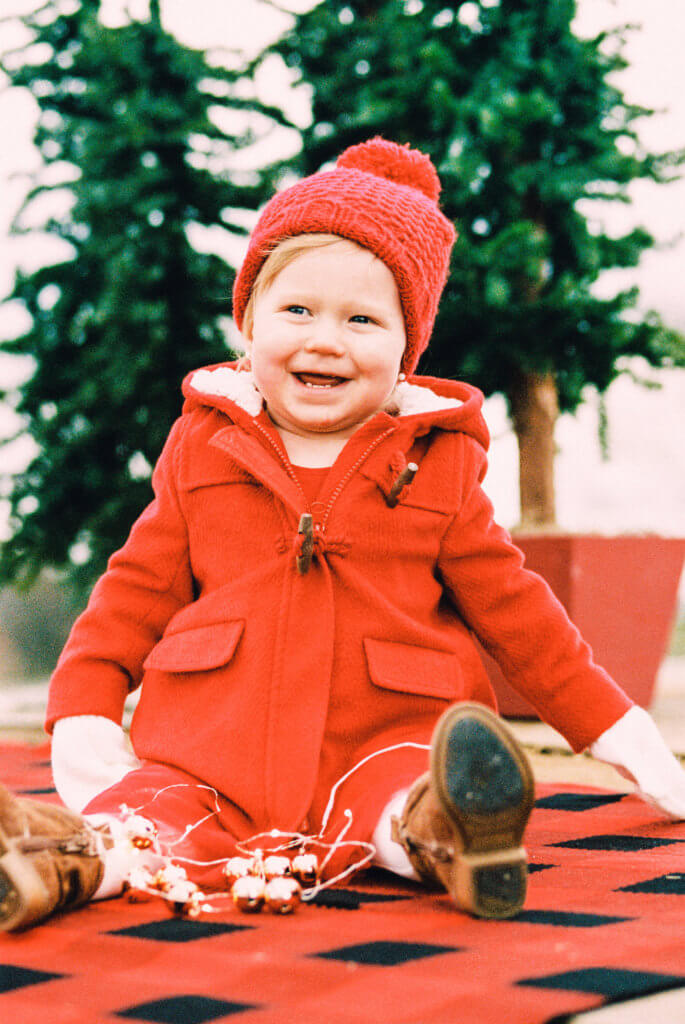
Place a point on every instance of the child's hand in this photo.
(634, 746)
(90, 753)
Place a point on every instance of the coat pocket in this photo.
(196, 649)
(420, 671)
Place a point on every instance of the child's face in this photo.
(327, 341)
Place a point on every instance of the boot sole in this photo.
(23, 896)
(485, 785)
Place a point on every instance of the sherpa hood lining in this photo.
(239, 386)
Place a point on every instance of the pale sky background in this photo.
(642, 486)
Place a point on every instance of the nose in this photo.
(324, 336)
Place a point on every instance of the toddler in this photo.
(298, 602)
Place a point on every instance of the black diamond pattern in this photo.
(611, 982)
(577, 801)
(386, 954)
(378, 897)
(667, 885)
(340, 899)
(626, 844)
(179, 929)
(12, 977)
(183, 1010)
(532, 868)
(566, 918)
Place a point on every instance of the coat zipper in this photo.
(288, 468)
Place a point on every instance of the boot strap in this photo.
(433, 850)
(81, 843)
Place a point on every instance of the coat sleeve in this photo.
(518, 619)
(146, 582)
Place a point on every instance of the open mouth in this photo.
(320, 380)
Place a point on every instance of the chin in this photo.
(323, 427)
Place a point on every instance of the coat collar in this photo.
(419, 403)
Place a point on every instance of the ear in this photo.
(244, 362)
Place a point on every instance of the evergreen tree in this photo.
(522, 121)
(118, 322)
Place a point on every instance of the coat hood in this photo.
(420, 403)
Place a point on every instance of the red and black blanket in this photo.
(604, 922)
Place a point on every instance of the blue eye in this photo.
(360, 318)
(296, 309)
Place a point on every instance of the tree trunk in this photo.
(534, 409)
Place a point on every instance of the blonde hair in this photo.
(284, 252)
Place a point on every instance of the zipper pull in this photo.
(402, 481)
(306, 546)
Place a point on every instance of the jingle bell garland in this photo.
(305, 867)
(279, 878)
(276, 866)
(248, 893)
(282, 895)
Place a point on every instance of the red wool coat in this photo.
(270, 684)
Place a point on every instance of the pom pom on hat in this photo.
(400, 164)
(384, 197)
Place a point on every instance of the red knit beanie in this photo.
(384, 197)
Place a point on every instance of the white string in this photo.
(339, 840)
(194, 825)
(184, 785)
(385, 750)
(298, 839)
(310, 894)
(294, 839)
(191, 828)
(338, 843)
(199, 863)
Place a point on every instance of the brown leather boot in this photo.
(463, 821)
(48, 861)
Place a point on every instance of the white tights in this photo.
(389, 854)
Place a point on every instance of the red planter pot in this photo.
(621, 592)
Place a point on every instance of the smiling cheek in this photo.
(383, 371)
(268, 379)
